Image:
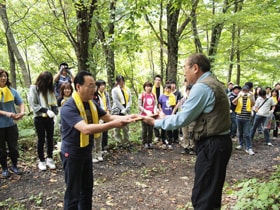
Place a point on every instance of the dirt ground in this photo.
(142, 179)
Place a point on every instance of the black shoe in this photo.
(191, 152)
(150, 146)
(176, 141)
(185, 151)
(16, 170)
(5, 173)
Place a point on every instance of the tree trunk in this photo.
(238, 57)
(108, 51)
(13, 45)
(232, 51)
(84, 15)
(12, 61)
(161, 55)
(216, 32)
(172, 42)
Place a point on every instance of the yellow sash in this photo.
(171, 99)
(84, 139)
(155, 92)
(104, 101)
(7, 94)
(123, 99)
(275, 100)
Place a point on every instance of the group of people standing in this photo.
(165, 99)
(206, 106)
(253, 111)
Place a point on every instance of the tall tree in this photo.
(80, 39)
(216, 30)
(13, 45)
(174, 31)
(107, 42)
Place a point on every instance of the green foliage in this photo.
(135, 44)
(12, 204)
(258, 194)
(26, 127)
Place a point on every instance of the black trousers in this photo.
(213, 154)
(45, 129)
(9, 135)
(79, 182)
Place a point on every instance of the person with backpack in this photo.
(264, 108)
(147, 106)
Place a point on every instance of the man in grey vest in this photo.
(208, 107)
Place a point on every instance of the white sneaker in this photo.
(100, 158)
(269, 144)
(164, 146)
(239, 147)
(250, 151)
(42, 165)
(50, 163)
(95, 160)
(169, 147)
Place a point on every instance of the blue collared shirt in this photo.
(201, 100)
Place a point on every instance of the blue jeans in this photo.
(243, 126)
(259, 120)
(233, 129)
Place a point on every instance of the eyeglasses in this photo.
(91, 86)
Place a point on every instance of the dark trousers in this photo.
(104, 140)
(45, 129)
(147, 133)
(233, 129)
(213, 154)
(166, 135)
(157, 132)
(9, 135)
(79, 183)
(175, 135)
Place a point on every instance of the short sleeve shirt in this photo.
(70, 116)
(9, 107)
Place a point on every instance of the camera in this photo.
(245, 95)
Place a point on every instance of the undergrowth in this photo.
(258, 194)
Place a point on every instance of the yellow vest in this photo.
(240, 104)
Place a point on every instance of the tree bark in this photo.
(216, 33)
(232, 52)
(13, 45)
(107, 49)
(12, 61)
(172, 42)
(84, 17)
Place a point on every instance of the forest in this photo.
(140, 39)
